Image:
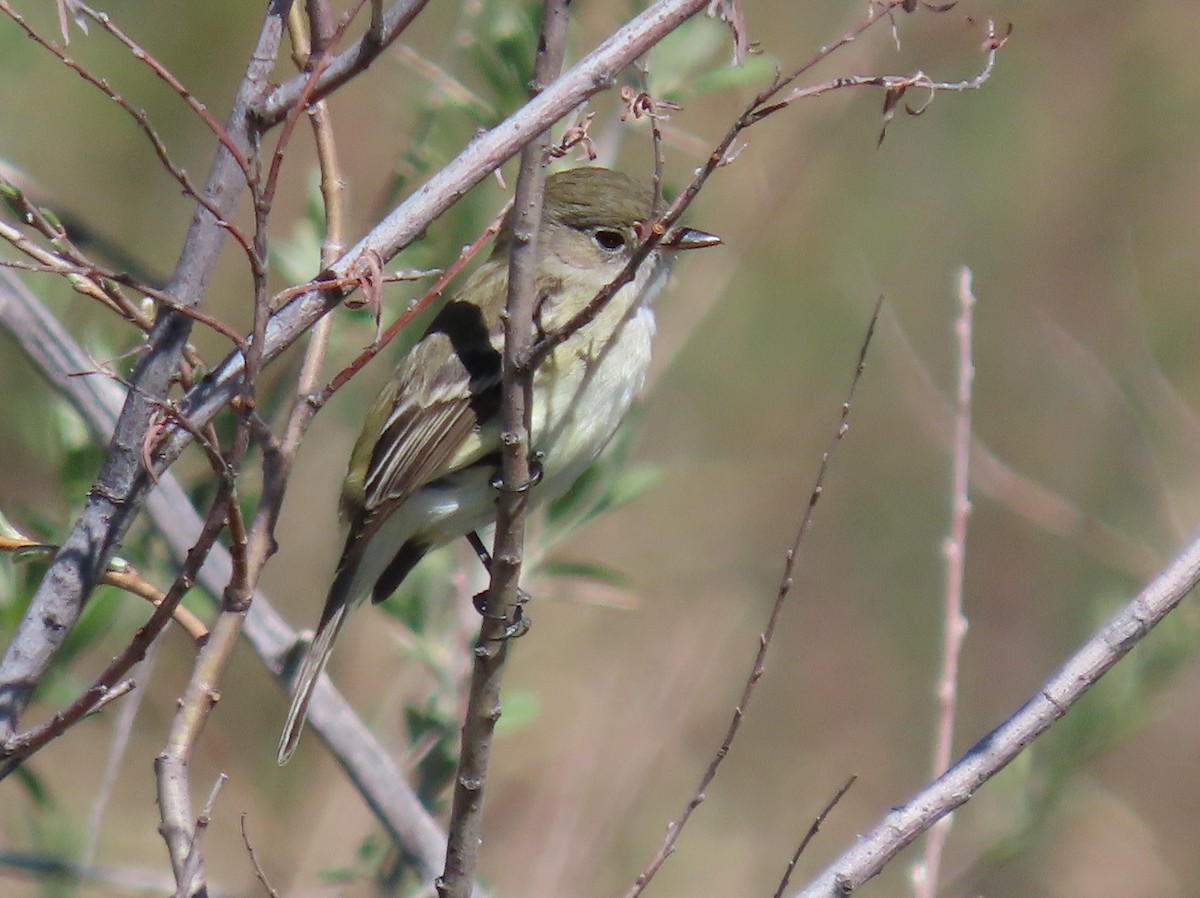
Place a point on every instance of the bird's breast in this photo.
(583, 391)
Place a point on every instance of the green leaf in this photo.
(520, 709)
(631, 483)
(754, 72)
(35, 788)
(575, 502)
(339, 875)
(298, 257)
(695, 59)
(585, 570)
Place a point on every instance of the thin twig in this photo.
(259, 873)
(202, 822)
(991, 754)
(503, 596)
(925, 874)
(812, 834)
(764, 641)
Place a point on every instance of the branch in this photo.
(371, 769)
(503, 598)
(994, 751)
(925, 874)
(121, 485)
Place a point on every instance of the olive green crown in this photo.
(585, 198)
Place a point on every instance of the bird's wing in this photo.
(440, 417)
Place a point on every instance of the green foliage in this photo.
(297, 258)
(494, 42)
(521, 708)
(35, 787)
(611, 482)
(694, 60)
(504, 49)
(433, 733)
(366, 859)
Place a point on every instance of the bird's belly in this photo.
(593, 388)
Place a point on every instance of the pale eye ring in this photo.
(609, 239)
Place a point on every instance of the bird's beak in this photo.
(689, 238)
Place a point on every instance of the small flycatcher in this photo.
(423, 469)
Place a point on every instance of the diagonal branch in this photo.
(371, 770)
(994, 751)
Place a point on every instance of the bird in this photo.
(424, 469)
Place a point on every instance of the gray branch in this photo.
(121, 486)
(98, 400)
(994, 751)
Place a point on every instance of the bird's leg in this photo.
(521, 622)
(481, 551)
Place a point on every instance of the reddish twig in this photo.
(414, 309)
(142, 120)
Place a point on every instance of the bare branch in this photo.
(993, 752)
(502, 604)
(925, 874)
(764, 641)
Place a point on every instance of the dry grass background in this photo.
(1071, 186)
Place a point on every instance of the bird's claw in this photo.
(536, 473)
(520, 621)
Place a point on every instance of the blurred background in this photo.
(1070, 185)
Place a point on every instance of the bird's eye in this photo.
(609, 240)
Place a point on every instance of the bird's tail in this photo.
(306, 679)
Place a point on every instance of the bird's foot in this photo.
(516, 624)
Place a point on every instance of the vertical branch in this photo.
(925, 874)
(502, 603)
(786, 582)
(259, 544)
